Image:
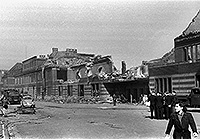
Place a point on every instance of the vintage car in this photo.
(27, 101)
(27, 105)
(12, 96)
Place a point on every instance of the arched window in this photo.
(100, 69)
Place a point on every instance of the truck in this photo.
(192, 98)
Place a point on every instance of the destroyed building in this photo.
(68, 73)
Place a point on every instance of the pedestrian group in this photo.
(167, 106)
(162, 105)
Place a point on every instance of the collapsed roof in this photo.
(193, 28)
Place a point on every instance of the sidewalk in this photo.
(3, 129)
(4, 123)
(124, 106)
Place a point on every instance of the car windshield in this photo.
(196, 91)
(27, 97)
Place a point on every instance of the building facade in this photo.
(61, 73)
(2, 73)
(9, 77)
(88, 77)
(25, 76)
(131, 90)
(64, 74)
(179, 69)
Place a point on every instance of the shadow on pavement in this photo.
(103, 108)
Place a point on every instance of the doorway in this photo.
(81, 90)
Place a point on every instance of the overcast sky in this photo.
(127, 30)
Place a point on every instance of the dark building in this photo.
(179, 70)
(131, 90)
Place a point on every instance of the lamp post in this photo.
(44, 82)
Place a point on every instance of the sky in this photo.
(129, 30)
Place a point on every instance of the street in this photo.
(98, 121)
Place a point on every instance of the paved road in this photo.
(91, 121)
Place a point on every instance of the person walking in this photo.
(114, 99)
(181, 120)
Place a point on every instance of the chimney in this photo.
(75, 50)
(54, 50)
(123, 67)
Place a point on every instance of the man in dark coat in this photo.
(152, 100)
(114, 99)
(159, 106)
(168, 105)
(181, 120)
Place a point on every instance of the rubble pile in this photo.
(78, 99)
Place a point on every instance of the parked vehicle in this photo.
(194, 97)
(12, 96)
(28, 101)
(183, 98)
(27, 105)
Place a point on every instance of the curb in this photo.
(5, 134)
(9, 130)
